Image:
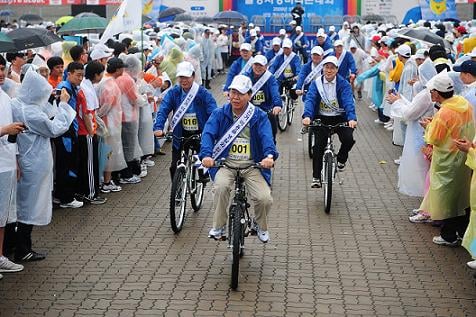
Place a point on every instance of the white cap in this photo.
(103, 47)
(241, 83)
(332, 28)
(330, 59)
(185, 69)
(251, 25)
(282, 32)
(321, 33)
(245, 47)
(345, 23)
(338, 43)
(258, 29)
(253, 32)
(287, 43)
(473, 53)
(317, 50)
(293, 22)
(298, 28)
(404, 50)
(260, 59)
(352, 44)
(420, 53)
(276, 41)
(97, 54)
(441, 82)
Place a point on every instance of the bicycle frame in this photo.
(186, 160)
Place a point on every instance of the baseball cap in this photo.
(332, 28)
(330, 59)
(321, 33)
(287, 43)
(461, 29)
(282, 32)
(245, 47)
(338, 43)
(420, 54)
(251, 25)
(441, 82)
(253, 32)
(97, 54)
(185, 69)
(116, 63)
(258, 29)
(298, 28)
(260, 59)
(293, 22)
(241, 83)
(468, 66)
(404, 50)
(317, 50)
(376, 38)
(276, 41)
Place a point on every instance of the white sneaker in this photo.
(397, 161)
(217, 234)
(111, 187)
(143, 171)
(133, 180)
(440, 241)
(472, 264)
(389, 128)
(148, 162)
(73, 204)
(420, 218)
(388, 123)
(263, 235)
(7, 266)
(378, 121)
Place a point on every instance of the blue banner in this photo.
(273, 8)
(438, 9)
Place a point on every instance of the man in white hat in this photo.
(310, 71)
(240, 66)
(287, 66)
(191, 105)
(292, 27)
(410, 71)
(282, 34)
(332, 35)
(345, 61)
(239, 133)
(324, 42)
(300, 43)
(256, 44)
(330, 99)
(274, 51)
(265, 92)
(100, 55)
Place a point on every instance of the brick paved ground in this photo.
(364, 259)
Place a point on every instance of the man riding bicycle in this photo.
(309, 72)
(241, 134)
(191, 104)
(330, 99)
(286, 67)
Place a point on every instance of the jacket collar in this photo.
(229, 114)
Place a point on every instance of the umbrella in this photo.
(204, 20)
(423, 34)
(169, 12)
(27, 38)
(84, 24)
(183, 17)
(64, 20)
(31, 18)
(86, 14)
(6, 43)
(6, 13)
(229, 17)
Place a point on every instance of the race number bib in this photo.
(324, 108)
(190, 122)
(288, 72)
(240, 150)
(258, 98)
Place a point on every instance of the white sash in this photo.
(284, 65)
(313, 74)
(247, 66)
(324, 98)
(328, 51)
(184, 106)
(256, 87)
(275, 55)
(332, 37)
(298, 38)
(233, 131)
(341, 58)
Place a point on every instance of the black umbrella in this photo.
(183, 17)
(229, 17)
(31, 18)
(423, 34)
(6, 13)
(204, 20)
(170, 12)
(27, 38)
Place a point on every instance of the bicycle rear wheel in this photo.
(328, 178)
(237, 237)
(290, 111)
(196, 198)
(283, 116)
(310, 142)
(178, 199)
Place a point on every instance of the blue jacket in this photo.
(347, 66)
(234, 70)
(327, 45)
(204, 104)
(305, 70)
(270, 55)
(73, 93)
(262, 143)
(259, 45)
(271, 92)
(295, 66)
(344, 97)
(336, 37)
(304, 41)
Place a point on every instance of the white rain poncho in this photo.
(10, 87)
(193, 56)
(35, 158)
(146, 135)
(8, 166)
(413, 165)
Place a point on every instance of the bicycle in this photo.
(240, 224)
(285, 117)
(185, 182)
(329, 160)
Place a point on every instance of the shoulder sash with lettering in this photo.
(313, 74)
(230, 135)
(182, 109)
(247, 66)
(324, 98)
(298, 38)
(341, 58)
(264, 78)
(271, 62)
(284, 65)
(328, 51)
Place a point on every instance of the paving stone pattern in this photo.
(363, 259)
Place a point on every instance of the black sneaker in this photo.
(340, 166)
(316, 183)
(30, 257)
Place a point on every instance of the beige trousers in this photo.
(256, 187)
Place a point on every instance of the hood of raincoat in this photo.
(34, 90)
(426, 71)
(175, 56)
(134, 65)
(194, 52)
(456, 103)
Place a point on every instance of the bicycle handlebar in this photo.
(318, 123)
(223, 163)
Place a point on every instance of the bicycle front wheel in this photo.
(178, 199)
(237, 237)
(196, 198)
(310, 142)
(283, 117)
(328, 179)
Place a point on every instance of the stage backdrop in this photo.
(438, 9)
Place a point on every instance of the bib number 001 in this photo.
(239, 148)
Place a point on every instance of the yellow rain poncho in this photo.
(448, 195)
(169, 64)
(469, 240)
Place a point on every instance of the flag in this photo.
(151, 8)
(127, 18)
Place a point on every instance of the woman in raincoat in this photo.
(35, 158)
(170, 62)
(448, 196)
